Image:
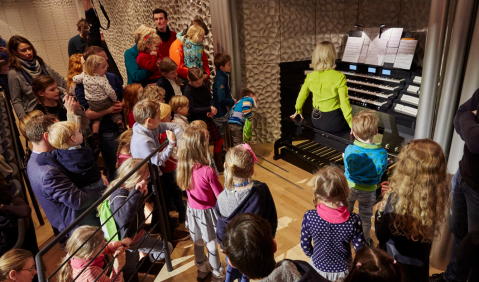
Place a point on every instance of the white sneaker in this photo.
(204, 270)
(220, 274)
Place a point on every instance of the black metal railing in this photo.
(156, 195)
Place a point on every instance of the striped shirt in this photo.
(242, 111)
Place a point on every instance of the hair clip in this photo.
(245, 145)
(146, 37)
(358, 264)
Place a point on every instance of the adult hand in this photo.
(126, 242)
(294, 116)
(116, 108)
(3, 49)
(384, 187)
(120, 259)
(213, 110)
(171, 136)
(105, 181)
(475, 112)
(70, 104)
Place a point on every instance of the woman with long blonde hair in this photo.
(414, 207)
(195, 175)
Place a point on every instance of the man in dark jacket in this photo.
(245, 235)
(465, 189)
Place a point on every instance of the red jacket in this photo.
(147, 61)
(176, 54)
(171, 163)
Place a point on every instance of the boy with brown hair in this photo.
(169, 79)
(180, 106)
(240, 113)
(222, 91)
(365, 162)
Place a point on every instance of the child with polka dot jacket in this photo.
(331, 226)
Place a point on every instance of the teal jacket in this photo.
(133, 71)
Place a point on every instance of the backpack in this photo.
(109, 225)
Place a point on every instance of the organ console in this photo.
(393, 93)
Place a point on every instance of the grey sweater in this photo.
(23, 99)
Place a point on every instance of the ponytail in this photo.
(66, 272)
(239, 163)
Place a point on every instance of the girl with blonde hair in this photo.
(149, 58)
(195, 175)
(124, 141)
(153, 92)
(86, 249)
(242, 194)
(414, 207)
(332, 111)
(129, 201)
(17, 265)
(330, 226)
(134, 73)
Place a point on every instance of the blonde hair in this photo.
(153, 92)
(324, 56)
(74, 68)
(84, 246)
(147, 41)
(421, 191)
(146, 109)
(92, 63)
(193, 150)
(14, 259)
(25, 119)
(199, 123)
(125, 168)
(178, 101)
(239, 163)
(330, 185)
(143, 30)
(365, 124)
(194, 33)
(165, 110)
(60, 132)
(195, 74)
(124, 139)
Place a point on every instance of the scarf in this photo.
(165, 36)
(331, 215)
(81, 263)
(32, 69)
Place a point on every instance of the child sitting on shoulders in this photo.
(331, 226)
(169, 79)
(85, 245)
(149, 57)
(250, 246)
(372, 264)
(365, 163)
(98, 91)
(76, 162)
(180, 106)
(242, 195)
(193, 47)
(239, 113)
(202, 108)
(124, 152)
(195, 175)
(222, 91)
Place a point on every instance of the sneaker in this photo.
(204, 271)
(437, 278)
(180, 235)
(220, 274)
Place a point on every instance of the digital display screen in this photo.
(372, 70)
(352, 67)
(386, 72)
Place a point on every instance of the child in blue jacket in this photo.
(239, 113)
(222, 91)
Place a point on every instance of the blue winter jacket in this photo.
(222, 93)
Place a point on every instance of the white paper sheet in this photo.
(367, 35)
(376, 52)
(386, 33)
(364, 53)
(353, 49)
(405, 54)
(395, 38)
(374, 33)
(390, 55)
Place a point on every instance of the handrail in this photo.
(39, 257)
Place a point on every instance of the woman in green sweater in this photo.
(332, 111)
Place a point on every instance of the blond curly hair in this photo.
(421, 191)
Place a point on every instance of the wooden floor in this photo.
(291, 188)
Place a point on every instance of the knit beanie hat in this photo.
(165, 110)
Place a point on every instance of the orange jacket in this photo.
(176, 54)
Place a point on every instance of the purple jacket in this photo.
(60, 199)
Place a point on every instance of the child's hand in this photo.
(153, 53)
(141, 186)
(205, 77)
(384, 187)
(126, 243)
(234, 100)
(120, 259)
(171, 136)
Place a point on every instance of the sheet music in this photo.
(367, 35)
(374, 33)
(405, 54)
(395, 38)
(376, 52)
(386, 33)
(353, 49)
(364, 52)
(390, 55)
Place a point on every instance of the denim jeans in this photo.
(463, 219)
(109, 150)
(366, 200)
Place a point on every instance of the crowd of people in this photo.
(168, 98)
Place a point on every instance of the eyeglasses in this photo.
(32, 270)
